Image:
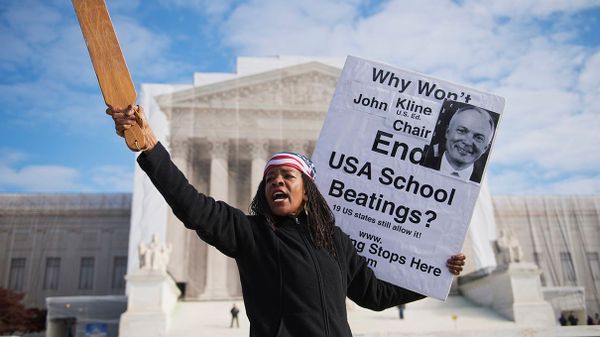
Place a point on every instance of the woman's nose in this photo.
(277, 181)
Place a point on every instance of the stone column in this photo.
(301, 146)
(259, 150)
(176, 232)
(216, 262)
(181, 153)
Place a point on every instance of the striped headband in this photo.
(295, 160)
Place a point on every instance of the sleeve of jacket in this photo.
(363, 286)
(225, 227)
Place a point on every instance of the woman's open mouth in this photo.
(279, 196)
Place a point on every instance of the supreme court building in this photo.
(220, 131)
(530, 257)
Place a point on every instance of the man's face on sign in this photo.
(468, 137)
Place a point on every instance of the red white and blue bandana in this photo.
(295, 160)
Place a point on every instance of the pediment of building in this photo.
(308, 86)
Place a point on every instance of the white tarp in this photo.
(384, 126)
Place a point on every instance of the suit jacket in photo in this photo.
(433, 159)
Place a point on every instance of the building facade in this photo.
(64, 244)
(220, 131)
(561, 235)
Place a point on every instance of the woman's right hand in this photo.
(124, 119)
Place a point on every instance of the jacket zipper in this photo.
(319, 277)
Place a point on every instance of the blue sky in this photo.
(543, 56)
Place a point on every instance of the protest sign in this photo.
(399, 160)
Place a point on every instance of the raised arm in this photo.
(225, 227)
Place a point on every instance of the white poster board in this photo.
(399, 160)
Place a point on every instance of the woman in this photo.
(296, 267)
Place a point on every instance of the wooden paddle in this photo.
(109, 64)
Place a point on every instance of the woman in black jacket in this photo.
(296, 267)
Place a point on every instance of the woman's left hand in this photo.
(455, 263)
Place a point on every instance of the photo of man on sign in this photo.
(461, 141)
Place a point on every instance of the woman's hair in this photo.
(320, 218)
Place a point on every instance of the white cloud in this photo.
(122, 5)
(523, 50)
(61, 88)
(14, 176)
(575, 185)
(300, 28)
(552, 84)
(535, 8)
(510, 182)
(202, 6)
(112, 178)
(147, 52)
(31, 19)
(54, 104)
(545, 65)
(17, 52)
(528, 182)
(39, 178)
(11, 156)
(18, 175)
(48, 77)
(589, 84)
(57, 44)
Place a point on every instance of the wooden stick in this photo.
(109, 64)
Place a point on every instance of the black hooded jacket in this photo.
(290, 287)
